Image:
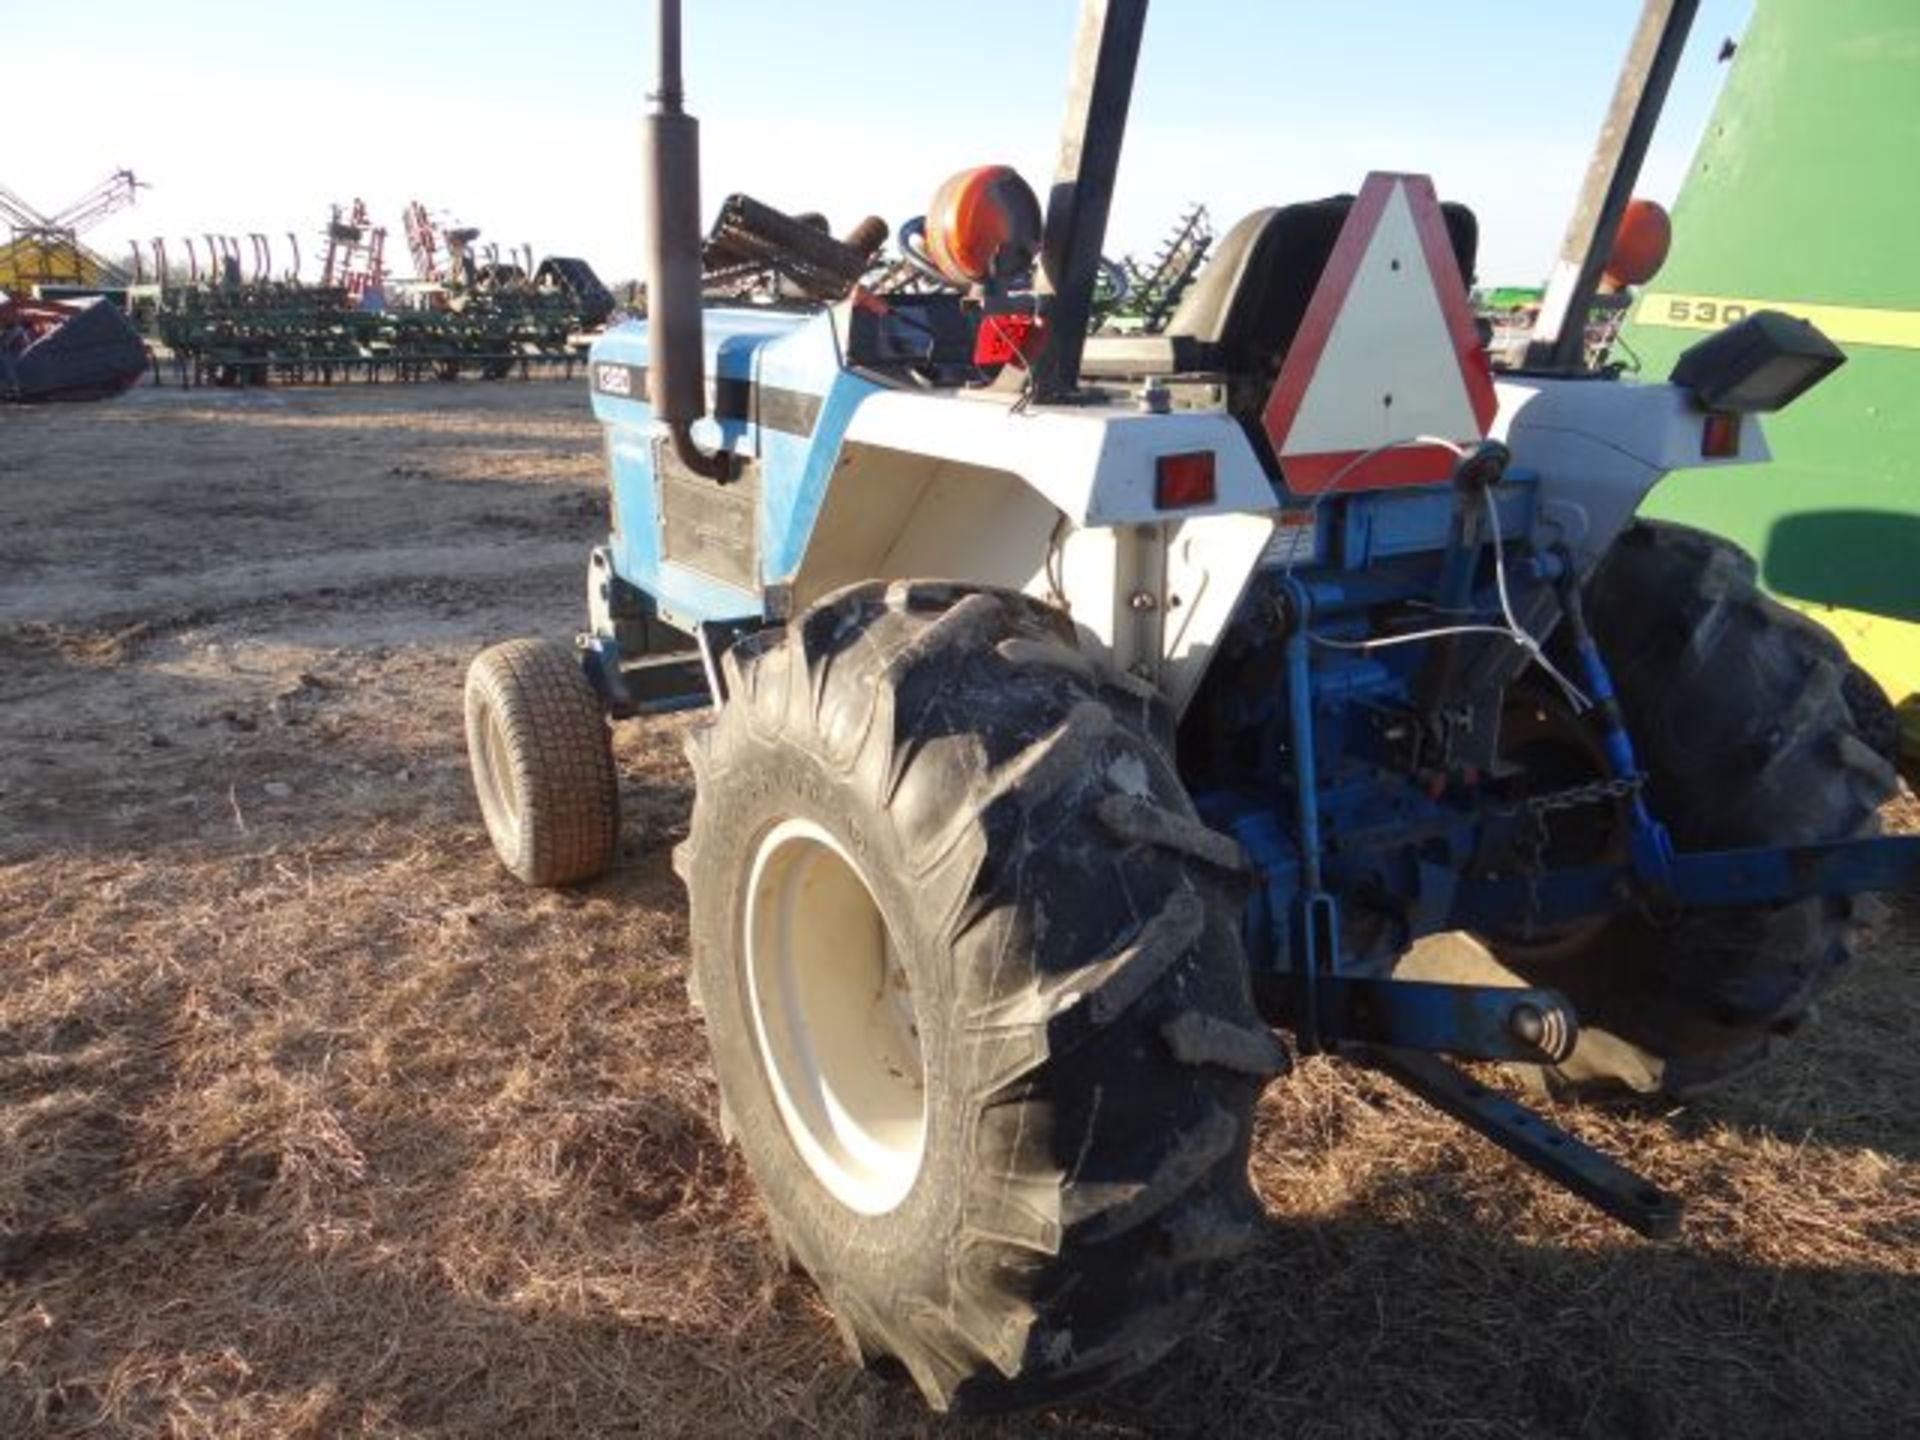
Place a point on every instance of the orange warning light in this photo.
(1640, 244)
(983, 224)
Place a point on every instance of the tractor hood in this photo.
(617, 370)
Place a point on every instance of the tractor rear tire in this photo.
(542, 760)
(1740, 716)
(1873, 713)
(971, 973)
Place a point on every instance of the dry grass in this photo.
(312, 1123)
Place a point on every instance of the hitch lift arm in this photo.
(1708, 879)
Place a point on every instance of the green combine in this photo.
(1801, 199)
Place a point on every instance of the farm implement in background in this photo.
(66, 350)
(452, 270)
(44, 255)
(308, 334)
(1146, 295)
(232, 321)
(58, 339)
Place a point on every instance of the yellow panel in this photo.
(1889, 650)
(1843, 324)
(27, 262)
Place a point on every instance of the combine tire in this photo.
(971, 972)
(542, 762)
(1745, 722)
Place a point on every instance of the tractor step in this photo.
(663, 683)
(1600, 1180)
(651, 685)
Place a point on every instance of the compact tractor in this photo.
(1087, 713)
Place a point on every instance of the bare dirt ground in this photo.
(312, 1122)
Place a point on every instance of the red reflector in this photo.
(1720, 434)
(1183, 480)
(1007, 339)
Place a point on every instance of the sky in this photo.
(523, 118)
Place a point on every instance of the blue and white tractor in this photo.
(1089, 714)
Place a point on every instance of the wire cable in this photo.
(1410, 637)
(1521, 635)
(1512, 630)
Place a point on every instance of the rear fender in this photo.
(1056, 502)
(1600, 446)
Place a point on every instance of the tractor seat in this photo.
(1240, 316)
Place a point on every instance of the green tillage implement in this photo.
(1801, 199)
(261, 334)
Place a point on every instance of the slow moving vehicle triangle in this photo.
(1386, 354)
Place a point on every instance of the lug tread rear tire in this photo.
(1739, 710)
(1873, 714)
(1097, 1174)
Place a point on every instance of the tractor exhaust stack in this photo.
(676, 379)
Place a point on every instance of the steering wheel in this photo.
(912, 235)
(911, 238)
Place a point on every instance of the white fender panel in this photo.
(1599, 446)
(1058, 502)
(1209, 562)
(1094, 463)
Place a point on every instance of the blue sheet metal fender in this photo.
(804, 404)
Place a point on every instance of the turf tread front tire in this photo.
(542, 760)
(1085, 1175)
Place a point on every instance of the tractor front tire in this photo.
(1748, 728)
(971, 973)
(542, 760)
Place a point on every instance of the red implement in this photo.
(60, 351)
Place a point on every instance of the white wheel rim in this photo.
(496, 771)
(833, 1015)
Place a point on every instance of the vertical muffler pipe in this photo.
(676, 351)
